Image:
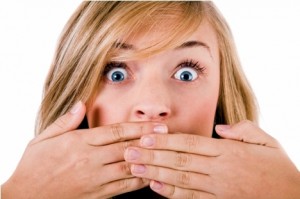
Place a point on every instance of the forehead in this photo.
(204, 33)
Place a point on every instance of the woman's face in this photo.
(178, 87)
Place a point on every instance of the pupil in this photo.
(186, 76)
(117, 76)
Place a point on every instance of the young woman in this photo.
(151, 86)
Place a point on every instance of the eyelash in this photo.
(187, 63)
(192, 64)
(112, 65)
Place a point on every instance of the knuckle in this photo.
(191, 142)
(171, 192)
(145, 181)
(151, 155)
(137, 183)
(183, 178)
(123, 185)
(126, 144)
(125, 168)
(117, 131)
(128, 184)
(191, 195)
(182, 159)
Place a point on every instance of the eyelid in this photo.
(189, 63)
(116, 66)
(112, 65)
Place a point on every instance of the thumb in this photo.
(246, 131)
(67, 122)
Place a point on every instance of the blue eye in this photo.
(186, 74)
(117, 74)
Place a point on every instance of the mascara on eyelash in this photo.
(112, 65)
(192, 64)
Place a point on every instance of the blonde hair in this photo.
(93, 33)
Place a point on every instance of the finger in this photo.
(169, 159)
(67, 122)
(120, 132)
(246, 131)
(121, 186)
(173, 192)
(112, 172)
(183, 179)
(113, 152)
(182, 142)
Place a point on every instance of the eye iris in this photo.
(117, 76)
(186, 76)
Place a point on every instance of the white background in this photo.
(267, 35)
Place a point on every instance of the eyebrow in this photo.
(188, 44)
(194, 43)
(124, 46)
(191, 44)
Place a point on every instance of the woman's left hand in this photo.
(247, 164)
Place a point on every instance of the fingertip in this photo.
(76, 108)
(156, 185)
(67, 122)
(77, 112)
(222, 128)
(160, 128)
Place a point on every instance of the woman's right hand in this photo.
(63, 162)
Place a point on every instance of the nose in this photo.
(151, 111)
(152, 102)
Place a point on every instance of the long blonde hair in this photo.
(92, 34)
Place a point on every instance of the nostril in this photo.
(140, 113)
(163, 114)
(151, 114)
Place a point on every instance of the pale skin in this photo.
(181, 161)
(185, 163)
(67, 163)
(248, 164)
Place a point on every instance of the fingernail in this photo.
(156, 185)
(222, 127)
(75, 108)
(160, 128)
(135, 168)
(147, 141)
(132, 154)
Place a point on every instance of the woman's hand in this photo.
(248, 164)
(65, 163)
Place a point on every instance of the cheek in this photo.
(199, 118)
(198, 110)
(106, 110)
